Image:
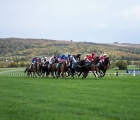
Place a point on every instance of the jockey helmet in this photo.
(104, 55)
(45, 57)
(69, 55)
(93, 53)
(63, 55)
(79, 53)
(35, 56)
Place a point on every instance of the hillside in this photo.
(24, 49)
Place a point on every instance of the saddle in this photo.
(74, 65)
(88, 64)
(58, 65)
(49, 66)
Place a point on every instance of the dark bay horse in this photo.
(59, 69)
(92, 66)
(77, 68)
(45, 69)
(104, 66)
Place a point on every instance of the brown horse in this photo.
(59, 69)
(35, 69)
(29, 71)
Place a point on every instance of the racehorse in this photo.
(59, 68)
(103, 66)
(92, 66)
(78, 67)
(50, 67)
(30, 70)
(35, 68)
(45, 69)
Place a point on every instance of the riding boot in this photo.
(49, 66)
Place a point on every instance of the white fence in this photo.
(13, 74)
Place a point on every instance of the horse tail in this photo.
(25, 70)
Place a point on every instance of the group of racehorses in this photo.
(66, 68)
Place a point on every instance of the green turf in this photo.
(109, 98)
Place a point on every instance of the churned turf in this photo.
(109, 98)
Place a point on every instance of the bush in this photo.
(121, 64)
(13, 64)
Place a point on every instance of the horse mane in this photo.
(107, 60)
(96, 60)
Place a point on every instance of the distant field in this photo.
(109, 98)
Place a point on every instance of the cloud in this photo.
(133, 12)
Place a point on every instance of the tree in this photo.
(137, 64)
(121, 64)
(129, 62)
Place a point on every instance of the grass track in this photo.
(109, 98)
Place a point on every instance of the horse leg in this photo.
(34, 74)
(72, 73)
(28, 73)
(97, 73)
(57, 74)
(62, 74)
(101, 73)
(53, 73)
(85, 74)
(94, 72)
(79, 73)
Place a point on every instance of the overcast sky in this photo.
(99, 21)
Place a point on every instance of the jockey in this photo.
(39, 60)
(90, 57)
(78, 56)
(71, 59)
(85, 58)
(61, 58)
(34, 60)
(44, 60)
(102, 58)
(52, 59)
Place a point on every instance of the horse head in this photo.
(107, 61)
